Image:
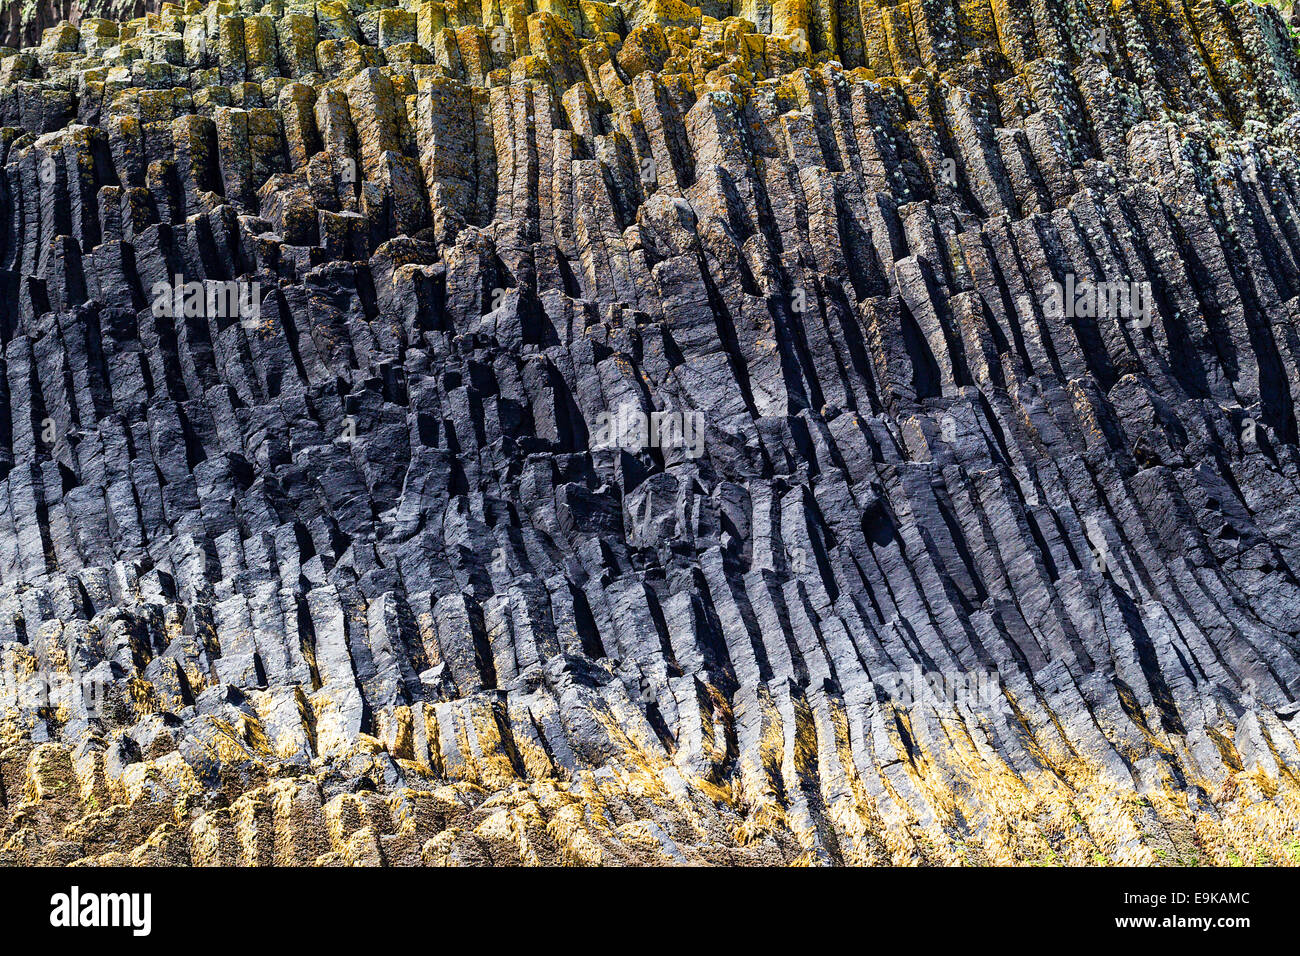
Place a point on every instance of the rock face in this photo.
(23, 21)
(828, 432)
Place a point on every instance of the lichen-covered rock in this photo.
(608, 433)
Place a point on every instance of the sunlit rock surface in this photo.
(823, 432)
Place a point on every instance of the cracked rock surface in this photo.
(23, 21)
(644, 433)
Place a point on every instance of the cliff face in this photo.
(23, 21)
(834, 432)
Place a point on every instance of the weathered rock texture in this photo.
(23, 21)
(364, 586)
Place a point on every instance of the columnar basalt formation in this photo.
(23, 21)
(825, 431)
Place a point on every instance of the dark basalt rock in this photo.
(23, 21)
(854, 433)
